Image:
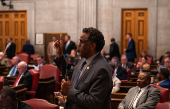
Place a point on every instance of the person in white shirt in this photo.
(13, 71)
(51, 51)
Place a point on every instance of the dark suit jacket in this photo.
(26, 79)
(93, 89)
(148, 100)
(114, 50)
(165, 84)
(131, 50)
(130, 66)
(22, 105)
(121, 73)
(71, 46)
(28, 48)
(11, 50)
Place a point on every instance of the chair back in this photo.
(34, 56)
(165, 105)
(150, 59)
(164, 93)
(23, 57)
(35, 79)
(47, 71)
(1, 82)
(128, 74)
(40, 104)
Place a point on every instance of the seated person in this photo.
(143, 65)
(40, 62)
(24, 76)
(116, 81)
(143, 54)
(120, 72)
(143, 96)
(13, 71)
(127, 65)
(166, 62)
(3, 60)
(72, 58)
(8, 100)
(163, 77)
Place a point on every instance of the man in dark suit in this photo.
(163, 77)
(24, 76)
(143, 96)
(28, 48)
(40, 62)
(68, 45)
(10, 48)
(8, 100)
(114, 49)
(120, 72)
(91, 84)
(131, 50)
(13, 70)
(127, 65)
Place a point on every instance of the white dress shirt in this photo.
(7, 46)
(54, 51)
(11, 71)
(19, 79)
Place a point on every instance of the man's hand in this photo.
(66, 86)
(59, 46)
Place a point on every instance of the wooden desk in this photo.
(2, 68)
(11, 79)
(46, 88)
(21, 91)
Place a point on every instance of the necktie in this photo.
(17, 79)
(75, 81)
(133, 100)
(66, 45)
(13, 70)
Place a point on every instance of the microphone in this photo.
(68, 66)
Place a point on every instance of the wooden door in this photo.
(135, 21)
(13, 24)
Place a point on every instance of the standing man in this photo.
(91, 83)
(131, 50)
(28, 48)
(10, 48)
(114, 49)
(68, 45)
(51, 51)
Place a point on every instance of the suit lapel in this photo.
(88, 69)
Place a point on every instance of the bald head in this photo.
(22, 67)
(124, 59)
(1, 55)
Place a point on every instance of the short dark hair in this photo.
(40, 56)
(95, 36)
(145, 57)
(5, 92)
(148, 77)
(165, 72)
(68, 36)
(143, 51)
(129, 34)
(27, 41)
(10, 38)
(116, 58)
(112, 40)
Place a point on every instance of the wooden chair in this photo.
(41, 104)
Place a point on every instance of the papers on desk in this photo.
(35, 67)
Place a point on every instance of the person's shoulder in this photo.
(22, 105)
(153, 89)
